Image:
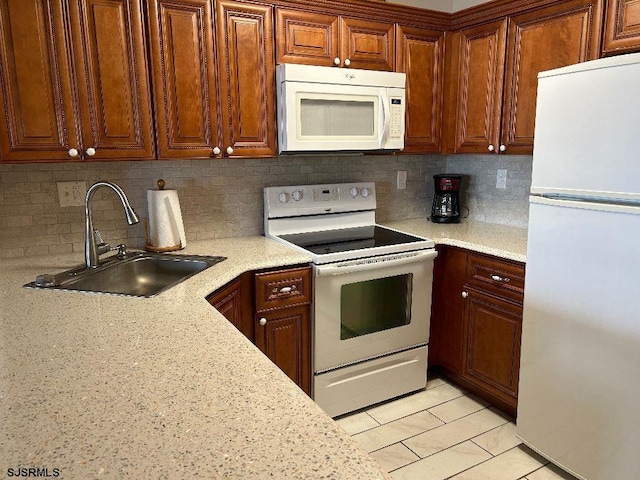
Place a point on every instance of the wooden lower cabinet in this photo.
(273, 310)
(285, 337)
(492, 329)
(476, 324)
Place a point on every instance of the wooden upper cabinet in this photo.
(246, 69)
(622, 27)
(95, 108)
(36, 94)
(318, 38)
(368, 45)
(420, 54)
(184, 78)
(113, 86)
(479, 57)
(306, 37)
(544, 39)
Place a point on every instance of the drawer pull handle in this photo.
(498, 278)
(286, 289)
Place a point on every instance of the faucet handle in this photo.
(102, 247)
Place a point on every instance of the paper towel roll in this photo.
(166, 229)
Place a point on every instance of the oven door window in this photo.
(375, 305)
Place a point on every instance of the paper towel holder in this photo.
(152, 248)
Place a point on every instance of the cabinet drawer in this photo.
(283, 288)
(501, 278)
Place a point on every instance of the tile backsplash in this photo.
(223, 198)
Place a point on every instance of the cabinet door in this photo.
(113, 85)
(421, 57)
(366, 44)
(246, 69)
(557, 36)
(184, 78)
(622, 28)
(284, 336)
(234, 303)
(35, 83)
(479, 69)
(306, 37)
(491, 357)
(445, 339)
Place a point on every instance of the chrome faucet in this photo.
(93, 250)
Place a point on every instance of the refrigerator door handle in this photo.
(589, 204)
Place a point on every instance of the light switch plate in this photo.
(71, 194)
(501, 178)
(402, 180)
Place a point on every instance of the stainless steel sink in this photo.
(138, 275)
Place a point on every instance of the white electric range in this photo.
(372, 292)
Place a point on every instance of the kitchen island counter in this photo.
(95, 385)
(498, 240)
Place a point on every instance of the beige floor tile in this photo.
(550, 472)
(395, 431)
(510, 465)
(356, 423)
(499, 439)
(434, 382)
(443, 464)
(394, 456)
(455, 432)
(414, 403)
(457, 408)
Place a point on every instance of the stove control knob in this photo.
(365, 192)
(283, 197)
(354, 192)
(297, 195)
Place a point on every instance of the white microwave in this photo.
(339, 109)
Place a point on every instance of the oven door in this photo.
(371, 307)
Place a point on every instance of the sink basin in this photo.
(138, 275)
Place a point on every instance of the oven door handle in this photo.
(373, 263)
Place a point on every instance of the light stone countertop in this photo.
(102, 386)
(499, 240)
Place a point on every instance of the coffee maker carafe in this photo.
(446, 199)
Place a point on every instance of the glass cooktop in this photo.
(348, 239)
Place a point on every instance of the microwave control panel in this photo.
(396, 118)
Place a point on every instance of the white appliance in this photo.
(339, 109)
(372, 293)
(580, 366)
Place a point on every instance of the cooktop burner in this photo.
(348, 239)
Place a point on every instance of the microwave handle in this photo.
(384, 100)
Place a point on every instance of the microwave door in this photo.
(316, 117)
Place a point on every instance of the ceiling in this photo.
(449, 6)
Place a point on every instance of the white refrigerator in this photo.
(579, 391)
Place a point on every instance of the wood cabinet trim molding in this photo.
(621, 36)
(496, 10)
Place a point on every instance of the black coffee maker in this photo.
(446, 199)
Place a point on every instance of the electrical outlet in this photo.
(71, 194)
(402, 180)
(501, 178)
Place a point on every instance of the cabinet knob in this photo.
(263, 321)
(91, 151)
(286, 290)
(73, 152)
(465, 294)
(503, 148)
(216, 150)
(229, 150)
(491, 148)
(336, 61)
(498, 278)
(347, 62)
